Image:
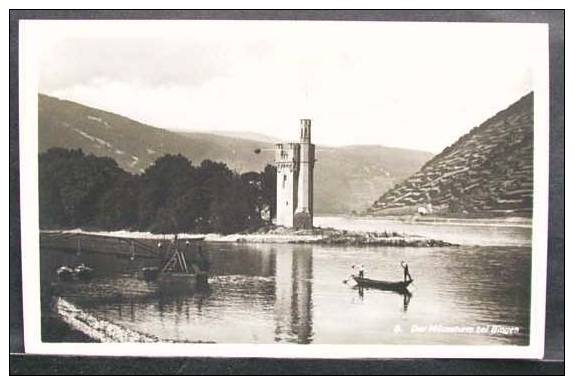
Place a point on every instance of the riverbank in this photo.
(275, 234)
(72, 324)
(55, 329)
(96, 329)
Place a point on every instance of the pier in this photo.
(112, 245)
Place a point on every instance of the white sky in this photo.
(411, 85)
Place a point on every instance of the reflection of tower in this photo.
(293, 305)
(283, 293)
(295, 163)
(301, 304)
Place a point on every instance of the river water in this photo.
(283, 293)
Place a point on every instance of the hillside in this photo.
(487, 172)
(253, 136)
(132, 144)
(347, 178)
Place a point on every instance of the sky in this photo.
(409, 85)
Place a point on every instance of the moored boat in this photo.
(382, 285)
(83, 272)
(65, 273)
(176, 272)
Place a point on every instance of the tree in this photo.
(171, 196)
(212, 180)
(269, 188)
(70, 184)
(234, 210)
(161, 183)
(261, 190)
(118, 207)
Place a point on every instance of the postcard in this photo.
(324, 189)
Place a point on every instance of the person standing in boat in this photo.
(362, 271)
(406, 273)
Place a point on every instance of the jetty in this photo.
(113, 245)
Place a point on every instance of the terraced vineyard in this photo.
(487, 172)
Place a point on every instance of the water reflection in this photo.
(406, 300)
(406, 294)
(293, 293)
(182, 302)
(458, 233)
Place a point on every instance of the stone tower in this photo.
(295, 162)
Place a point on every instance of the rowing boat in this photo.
(382, 285)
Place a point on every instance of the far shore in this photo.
(443, 220)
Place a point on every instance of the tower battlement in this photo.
(295, 163)
(287, 152)
(305, 130)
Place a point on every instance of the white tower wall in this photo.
(304, 212)
(295, 163)
(287, 162)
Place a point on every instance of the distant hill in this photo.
(487, 172)
(132, 144)
(347, 178)
(253, 136)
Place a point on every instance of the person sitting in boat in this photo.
(406, 273)
(352, 275)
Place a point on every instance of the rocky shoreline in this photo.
(100, 330)
(331, 236)
(95, 328)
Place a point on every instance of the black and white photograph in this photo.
(278, 187)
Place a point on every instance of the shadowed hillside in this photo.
(132, 144)
(346, 178)
(487, 172)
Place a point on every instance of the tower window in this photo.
(284, 180)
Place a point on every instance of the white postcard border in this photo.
(30, 47)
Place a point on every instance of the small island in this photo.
(266, 234)
(331, 236)
(208, 201)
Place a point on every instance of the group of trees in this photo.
(171, 196)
